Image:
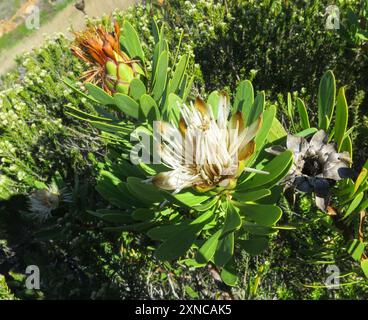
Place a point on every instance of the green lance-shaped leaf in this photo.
(179, 243)
(166, 231)
(85, 116)
(148, 109)
(155, 31)
(356, 249)
(277, 168)
(224, 250)
(326, 99)
(99, 94)
(137, 89)
(113, 216)
(267, 121)
(71, 85)
(264, 215)
(144, 191)
(362, 177)
(178, 75)
(244, 98)
(256, 229)
(232, 219)
(341, 120)
(228, 273)
(127, 105)
(124, 169)
(257, 108)
(276, 132)
(108, 188)
(246, 196)
(172, 111)
(347, 145)
(160, 78)
(208, 249)
(130, 41)
(354, 204)
(364, 266)
(143, 214)
(306, 132)
(213, 102)
(186, 198)
(303, 114)
(254, 246)
(290, 108)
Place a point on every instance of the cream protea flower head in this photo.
(43, 201)
(205, 152)
(316, 165)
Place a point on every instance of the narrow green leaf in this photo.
(354, 204)
(244, 98)
(246, 196)
(159, 82)
(278, 167)
(143, 214)
(364, 266)
(326, 99)
(127, 105)
(186, 198)
(256, 229)
(144, 191)
(264, 215)
(276, 132)
(267, 120)
(290, 109)
(307, 132)
(257, 108)
(112, 217)
(136, 89)
(130, 41)
(207, 251)
(178, 74)
(148, 109)
(347, 145)
(179, 243)
(255, 245)
(213, 102)
(224, 250)
(99, 94)
(341, 120)
(356, 249)
(232, 219)
(303, 114)
(228, 273)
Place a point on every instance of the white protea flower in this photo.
(205, 152)
(43, 201)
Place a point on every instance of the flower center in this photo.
(312, 167)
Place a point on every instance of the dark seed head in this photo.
(312, 167)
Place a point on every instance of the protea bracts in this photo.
(204, 152)
(111, 68)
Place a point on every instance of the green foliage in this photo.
(259, 243)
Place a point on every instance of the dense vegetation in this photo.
(282, 47)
